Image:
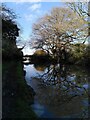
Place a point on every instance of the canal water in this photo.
(61, 90)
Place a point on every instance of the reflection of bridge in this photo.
(37, 59)
(27, 59)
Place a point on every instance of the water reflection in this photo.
(40, 67)
(62, 89)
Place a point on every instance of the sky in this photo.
(27, 14)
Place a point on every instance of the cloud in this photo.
(32, 17)
(35, 7)
(18, 1)
(34, 12)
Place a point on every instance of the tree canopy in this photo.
(83, 10)
(55, 31)
(10, 29)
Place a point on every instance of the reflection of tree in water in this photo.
(63, 88)
(62, 84)
(40, 68)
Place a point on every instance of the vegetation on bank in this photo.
(78, 54)
(40, 57)
(17, 96)
(10, 31)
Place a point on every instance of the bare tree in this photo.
(55, 31)
(83, 10)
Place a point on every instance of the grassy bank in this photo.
(17, 96)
